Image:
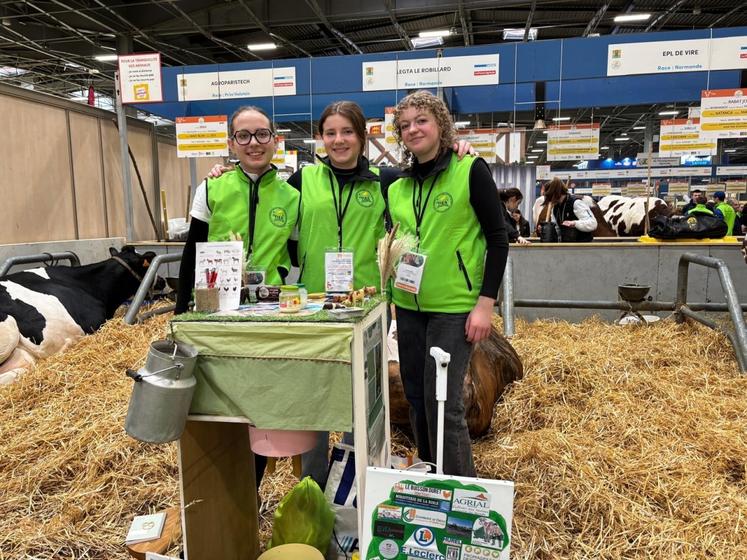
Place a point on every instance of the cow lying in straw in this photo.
(45, 310)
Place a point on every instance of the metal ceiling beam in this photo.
(728, 14)
(664, 17)
(465, 20)
(61, 23)
(596, 19)
(397, 27)
(530, 17)
(230, 47)
(259, 23)
(346, 42)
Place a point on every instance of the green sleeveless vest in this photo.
(450, 236)
(275, 217)
(730, 216)
(362, 225)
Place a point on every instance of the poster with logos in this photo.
(236, 84)
(681, 137)
(723, 113)
(416, 515)
(140, 78)
(205, 136)
(482, 140)
(416, 73)
(663, 57)
(568, 142)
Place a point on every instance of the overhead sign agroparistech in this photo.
(414, 73)
(235, 84)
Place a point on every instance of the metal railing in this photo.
(680, 306)
(49, 259)
(131, 317)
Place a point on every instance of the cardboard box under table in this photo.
(311, 373)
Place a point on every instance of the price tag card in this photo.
(410, 272)
(338, 271)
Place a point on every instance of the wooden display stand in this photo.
(216, 465)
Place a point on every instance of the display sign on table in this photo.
(416, 73)
(219, 264)
(568, 142)
(235, 84)
(681, 137)
(723, 113)
(202, 136)
(140, 78)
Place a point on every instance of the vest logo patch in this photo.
(442, 202)
(365, 198)
(278, 216)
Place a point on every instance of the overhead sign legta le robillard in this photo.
(690, 55)
(476, 70)
(236, 84)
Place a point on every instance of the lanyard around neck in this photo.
(340, 210)
(419, 206)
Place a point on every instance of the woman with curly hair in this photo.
(452, 209)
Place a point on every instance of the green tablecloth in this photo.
(290, 376)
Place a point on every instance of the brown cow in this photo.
(494, 365)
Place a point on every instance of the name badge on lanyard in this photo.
(410, 272)
(338, 271)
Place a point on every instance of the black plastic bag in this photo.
(694, 226)
(548, 233)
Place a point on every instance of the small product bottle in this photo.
(290, 299)
(304, 293)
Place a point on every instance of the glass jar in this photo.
(304, 294)
(290, 299)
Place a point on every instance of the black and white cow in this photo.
(626, 216)
(45, 310)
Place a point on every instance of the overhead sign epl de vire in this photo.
(236, 84)
(690, 55)
(415, 73)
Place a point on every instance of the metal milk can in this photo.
(162, 392)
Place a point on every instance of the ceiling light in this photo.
(261, 46)
(631, 17)
(517, 34)
(730, 151)
(667, 113)
(461, 124)
(283, 130)
(426, 42)
(309, 141)
(639, 128)
(106, 57)
(604, 148)
(559, 119)
(541, 142)
(435, 33)
(538, 151)
(622, 139)
(532, 157)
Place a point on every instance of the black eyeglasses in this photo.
(243, 137)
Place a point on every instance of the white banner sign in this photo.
(723, 113)
(691, 55)
(569, 142)
(681, 137)
(140, 78)
(632, 173)
(415, 73)
(731, 170)
(657, 160)
(202, 136)
(235, 84)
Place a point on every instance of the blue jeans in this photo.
(417, 332)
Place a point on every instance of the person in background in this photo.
(510, 200)
(521, 223)
(727, 212)
(453, 211)
(700, 207)
(570, 213)
(743, 219)
(250, 201)
(695, 193)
